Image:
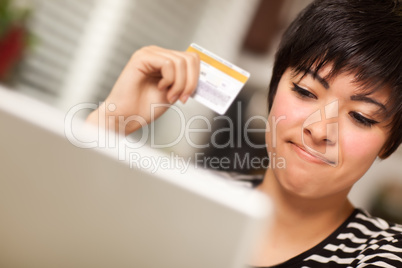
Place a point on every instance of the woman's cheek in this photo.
(278, 107)
(361, 144)
(289, 107)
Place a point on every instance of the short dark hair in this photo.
(363, 37)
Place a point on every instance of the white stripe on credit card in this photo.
(220, 81)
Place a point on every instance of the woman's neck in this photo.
(290, 205)
(298, 223)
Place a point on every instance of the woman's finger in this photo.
(168, 76)
(180, 70)
(193, 73)
(187, 69)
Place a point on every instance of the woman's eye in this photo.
(362, 120)
(303, 93)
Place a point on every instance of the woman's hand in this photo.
(153, 75)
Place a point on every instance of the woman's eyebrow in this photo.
(317, 77)
(366, 99)
(358, 97)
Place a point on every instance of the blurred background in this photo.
(66, 52)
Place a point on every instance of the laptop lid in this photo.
(65, 206)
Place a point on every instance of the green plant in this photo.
(14, 37)
(11, 15)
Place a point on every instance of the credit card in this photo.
(220, 81)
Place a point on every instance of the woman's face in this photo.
(327, 132)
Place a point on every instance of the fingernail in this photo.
(184, 98)
(173, 99)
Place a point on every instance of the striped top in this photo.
(361, 241)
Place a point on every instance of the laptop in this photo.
(62, 205)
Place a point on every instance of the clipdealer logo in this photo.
(239, 135)
(330, 154)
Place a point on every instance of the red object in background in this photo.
(11, 47)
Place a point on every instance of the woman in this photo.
(337, 83)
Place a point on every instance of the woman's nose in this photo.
(322, 133)
(321, 127)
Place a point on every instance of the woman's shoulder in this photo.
(377, 241)
(378, 225)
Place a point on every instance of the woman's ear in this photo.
(381, 154)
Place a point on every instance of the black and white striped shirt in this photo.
(361, 241)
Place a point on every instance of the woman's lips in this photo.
(302, 153)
